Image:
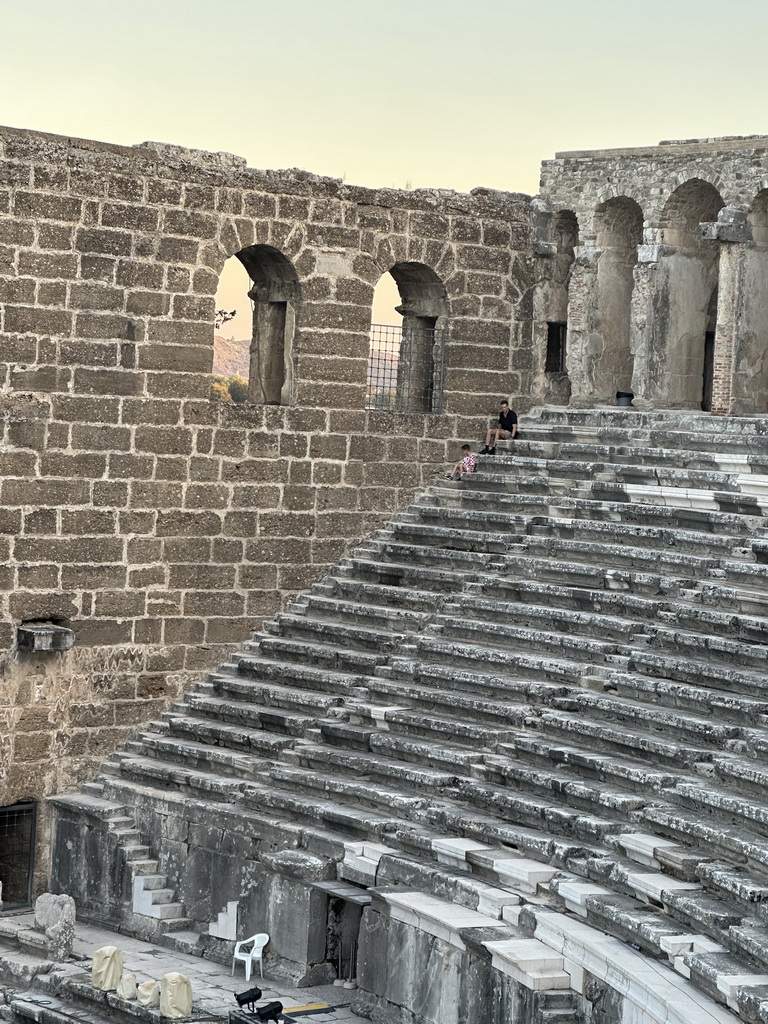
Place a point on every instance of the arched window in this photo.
(275, 294)
(407, 359)
(685, 312)
(619, 231)
(232, 334)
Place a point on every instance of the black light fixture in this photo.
(270, 1011)
(248, 998)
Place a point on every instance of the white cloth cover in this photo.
(148, 993)
(107, 968)
(126, 988)
(175, 996)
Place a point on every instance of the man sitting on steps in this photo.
(506, 430)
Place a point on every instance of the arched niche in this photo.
(551, 308)
(406, 361)
(275, 295)
(685, 283)
(758, 219)
(618, 227)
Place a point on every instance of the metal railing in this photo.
(406, 369)
(17, 853)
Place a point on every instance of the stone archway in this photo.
(414, 354)
(275, 295)
(619, 230)
(551, 308)
(686, 276)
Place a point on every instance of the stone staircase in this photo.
(549, 681)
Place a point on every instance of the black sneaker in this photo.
(484, 451)
(491, 451)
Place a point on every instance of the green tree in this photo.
(238, 388)
(220, 390)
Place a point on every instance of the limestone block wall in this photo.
(163, 527)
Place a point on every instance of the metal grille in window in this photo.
(555, 360)
(406, 369)
(17, 854)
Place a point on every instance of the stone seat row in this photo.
(399, 704)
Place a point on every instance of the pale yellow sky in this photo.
(414, 93)
(436, 93)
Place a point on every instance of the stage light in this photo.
(248, 998)
(270, 1011)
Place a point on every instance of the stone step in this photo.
(445, 538)
(638, 450)
(404, 564)
(636, 774)
(379, 617)
(606, 734)
(653, 719)
(572, 547)
(716, 800)
(297, 672)
(273, 694)
(448, 703)
(337, 634)
(577, 792)
(633, 474)
(520, 682)
(297, 807)
(180, 750)
(749, 527)
(422, 723)
(371, 766)
(321, 653)
(553, 522)
(730, 841)
(483, 640)
(534, 811)
(254, 740)
(425, 751)
(703, 699)
(167, 775)
(236, 709)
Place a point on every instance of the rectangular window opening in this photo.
(17, 854)
(555, 359)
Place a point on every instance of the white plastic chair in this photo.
(247, 956)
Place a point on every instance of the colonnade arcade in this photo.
(668, 301)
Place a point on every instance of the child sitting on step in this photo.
(465, 465)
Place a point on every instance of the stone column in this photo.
(645, 384)
(733, 232)
(584, 345)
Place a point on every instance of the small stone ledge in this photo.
(656, 991)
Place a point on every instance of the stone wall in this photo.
(163, 527)
(702, 207)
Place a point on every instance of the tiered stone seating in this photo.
(562, 659)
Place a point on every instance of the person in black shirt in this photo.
(506, 429)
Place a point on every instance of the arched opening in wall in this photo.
(685, 282)
(232, 334)
(619, 231)
(273, 295)
(17, 853)
(551, 308)
(406, 364)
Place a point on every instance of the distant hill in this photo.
(230, 356)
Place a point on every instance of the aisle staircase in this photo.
(551, 677)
